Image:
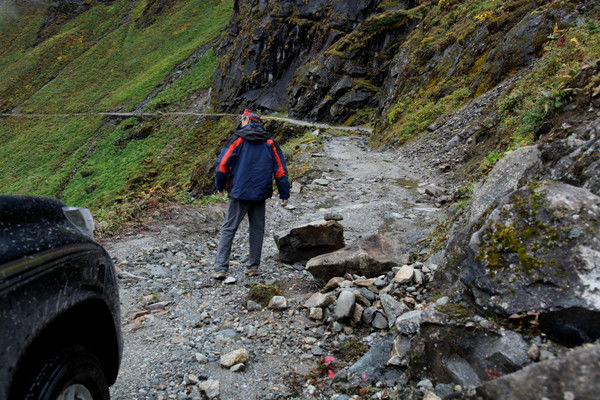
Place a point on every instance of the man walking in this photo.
(245, 168)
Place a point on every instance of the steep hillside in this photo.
(99, 56)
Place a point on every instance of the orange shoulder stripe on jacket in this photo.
(231, 149)
(280, 171)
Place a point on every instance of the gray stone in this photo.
(534, 352)
(442, 301)
(368, 315)
(253, 306)
(405, 274)
(444, 389)
(373, 364)
(344, 305)
(369, 257)
(318, 300)
(409, 323)
(306, 241)
(379, 321)
(211, 388)
(201, 358)
(317, 351)
(333, 217)
(316, 313)
(321, 182)
(380, 282)
(392, 307)
(238, 367)
(418, 277)
(367, 294)
(278, 303)
(230, 280)
(296, 187)
(425, 385)
(400, 354)
(575, 375)
(461, 371)
(226, 334)
(507, 352)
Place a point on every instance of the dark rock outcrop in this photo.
(304, 242)
(268, 41)
(369, 257)
(574, 376)
(373, 367)
(467, 356)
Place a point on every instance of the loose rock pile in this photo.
(377, 302)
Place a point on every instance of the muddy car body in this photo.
(59, 304)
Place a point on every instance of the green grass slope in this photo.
(109, 57)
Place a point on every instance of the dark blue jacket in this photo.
(247, 164)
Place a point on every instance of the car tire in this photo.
(72, 374)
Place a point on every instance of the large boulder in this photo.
(574, 376)
(369, 257)
(539, 251)
(503, 179)
(304, 242)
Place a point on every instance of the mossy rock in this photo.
(538, 251)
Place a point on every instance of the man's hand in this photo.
(284, 203)
(222, 192)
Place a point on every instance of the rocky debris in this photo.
(278, 303)
(368, 257)
(235, 357)
(538, 251)
(208, 320)
(306, 241)
(211, 388)
(574, 376)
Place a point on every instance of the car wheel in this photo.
(69, 375)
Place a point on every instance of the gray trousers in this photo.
(236, 212)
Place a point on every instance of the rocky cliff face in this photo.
(342, 60)
(267, 41)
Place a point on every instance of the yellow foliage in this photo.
(484, 16)
(444, 4)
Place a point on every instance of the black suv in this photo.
(60, 335)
